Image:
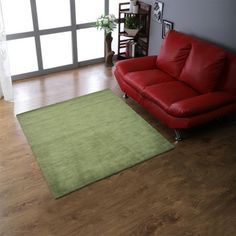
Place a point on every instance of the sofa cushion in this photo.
(165, 94)
(203, 67)
(173, 53)
(201, 104)
(141, 79)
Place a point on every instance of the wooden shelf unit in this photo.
(141, 40)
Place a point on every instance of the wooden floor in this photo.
(185, 192)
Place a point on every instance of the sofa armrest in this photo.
(136, 64)
(201, 104)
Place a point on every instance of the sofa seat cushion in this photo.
(203, 67)
(173, 53)
(139, 80)
(201, 104)
(165, 94)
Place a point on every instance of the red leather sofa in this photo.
(189, 83)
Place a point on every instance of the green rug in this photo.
(80, 141)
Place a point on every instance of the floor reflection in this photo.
(45, 90)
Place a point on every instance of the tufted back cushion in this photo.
(173, 53)
(204, 66)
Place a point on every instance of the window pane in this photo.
(87, 11)
(22, 55)
(17, 16)
(56, 49)
(87, 47)
(114, 6)
(53, 13)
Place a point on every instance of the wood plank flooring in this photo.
(186, 192)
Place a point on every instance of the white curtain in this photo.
(6, 89)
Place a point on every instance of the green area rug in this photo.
(85, 139)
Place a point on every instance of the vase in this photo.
(108, 51)
(131, 32)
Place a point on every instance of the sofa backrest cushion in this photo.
(204, 66)
(173, 53)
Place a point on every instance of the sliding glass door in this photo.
(52, 35)
(19, 25)
(90, 41)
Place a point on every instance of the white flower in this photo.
(106, 23)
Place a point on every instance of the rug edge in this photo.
(115, 173)
(49, 105)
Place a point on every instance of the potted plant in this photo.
(132, 25)
(107, 23)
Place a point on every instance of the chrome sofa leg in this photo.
(178, 135)
(125, 96)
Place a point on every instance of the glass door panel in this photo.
(90, 43)
(17, 16)
(88, 11)
(114, 7)
(53, 13)
(54, 46)
(56, 49)
(22, 55)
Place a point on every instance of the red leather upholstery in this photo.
(228, 82)
(139, 80)
(168, 93)
(200, 104)
(185, 122)
(174, 52)
(203, 67)
(182, 89)
(136, 64)
(127, 88)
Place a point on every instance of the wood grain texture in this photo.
(186, 192)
